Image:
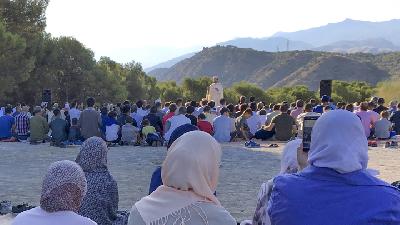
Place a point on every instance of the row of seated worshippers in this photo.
(329, 185)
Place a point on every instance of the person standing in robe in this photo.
(215, 91)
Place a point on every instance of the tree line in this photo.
(31, 60)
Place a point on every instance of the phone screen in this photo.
(308, 125)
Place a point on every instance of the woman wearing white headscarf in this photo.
(63, 189)
(190, 176)
(336, 187)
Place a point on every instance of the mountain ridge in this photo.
(268, 69)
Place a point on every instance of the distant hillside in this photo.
(274, 44)
(374, 46)
(349, 30)
(169, 63)
(348, 36)
(268, 69)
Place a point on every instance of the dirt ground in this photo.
(243, 170)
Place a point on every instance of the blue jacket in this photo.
(322, 196)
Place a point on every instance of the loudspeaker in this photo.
(325, 88)
(46, 96)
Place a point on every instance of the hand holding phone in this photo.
(308, 125)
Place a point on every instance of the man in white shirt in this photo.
(74, 112)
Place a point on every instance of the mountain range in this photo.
(299, 57)
(268, 69)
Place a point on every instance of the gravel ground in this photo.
(22, 167)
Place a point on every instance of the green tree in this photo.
(15, 68)
(195, 88)
(169, 91)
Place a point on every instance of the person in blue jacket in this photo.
(156, 181)
(336, 187)
(324, 102)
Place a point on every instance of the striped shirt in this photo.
(22, 124)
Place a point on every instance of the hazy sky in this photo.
(152, 31)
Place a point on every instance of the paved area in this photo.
(22, 167)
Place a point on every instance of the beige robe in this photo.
(215, 93)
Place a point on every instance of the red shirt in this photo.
(205, 126)
(166, 117)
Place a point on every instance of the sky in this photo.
(153, 31)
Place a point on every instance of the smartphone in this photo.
(308, 125)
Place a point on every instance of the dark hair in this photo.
(8, 110)
(73, 104)
(253, 106)
(90, 102)
(193, 103)
(189, 109)
(277, 107)
(263, 112)
(112, 114)
(381, 101)
(299, 103)
(182, 110)
(74, 121)
(231, 108)
(179, 100)
(153, 109)
(139, 104)
(204, 102)
(172, 107)
(242, 99)
(247, 111)
(126, 109)
(252, 99)
(222, 101)
(128, 119)
(284, 108)
(103, 110)
(223, 110)
(207, 108)
(167, 104)
(145, 122)
(349, 107)
(385, 114)
(202, 116)
(56, 112)
(243, 107)
(126, 102)
(308, 107)
(211, 104)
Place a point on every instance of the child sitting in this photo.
(150, 134)
(383, 126)
(129, 133)
(74, 136)
(204, 125)
(112, 128)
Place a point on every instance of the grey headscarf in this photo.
(64, 187)
(93, 155)
(101, 201)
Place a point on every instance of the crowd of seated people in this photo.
(329, 184)
(145, 124)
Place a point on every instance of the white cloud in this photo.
(142, 26)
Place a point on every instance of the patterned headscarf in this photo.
(64, 187)
(93, 155)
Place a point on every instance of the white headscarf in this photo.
(338, 142)
(190, 174)
(289, 162)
